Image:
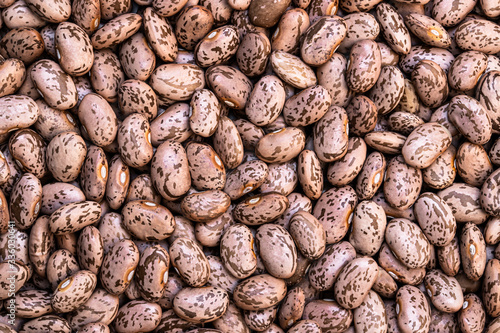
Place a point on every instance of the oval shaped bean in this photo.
(259, 292)
(214, 303)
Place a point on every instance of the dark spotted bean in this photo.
(205, 166)
(307, 107)
(215, 302)
(425, 144)
(310, 174)
(329, 315)
(137, 96)
(65, 156)
(364, 66)
(118, 182)
(98, 119)
(94, 174)
(260, 319)
(370, 316)
(362, 114)
(332, 76)
(74, 291)
(442, 57)
(260, 209)
(86, 14)
(17, 14)
(25, 44)
(478, 35)
(471, 318)
(281, 178)
(359, 26)
(170, 162)
(160, 35)
(435, 218)
(193, 23)
(73, 49)
(292, 308)
(253, 53)
(367, 228)
(189, 260)
(277, 250)
(48, 323)
(428, 30)
(90, 250)
(335, 214)
(345, 170)
(217, 47)
(172, 124)
(12, 75)
(176, 82)
(17, 112)
(73, 217)
(227, 143)
(266, 101)
(259, 292)
(385, 285)
(331, 135)
(237, 252)
(293, 23)
(449, 15)
(60, 265)
(152, 273)
(205, 206)
(467, 69)
(40, 245)
(51, 121)
(472, 251)
(280, 146)
(322, 39)
(25, 201)
(49, 11)
(220, 276)
(28, 150)
(33, 303)
(473, 164)
(404, 122)
(402, 183)
(136, 316)
(470, 118)
(230, 85)
(491, 287)
(134, 140)
(119, 265)
(445, 292)
(441, 173)
(371, 176)
(55, 86)
(137, 58)
(205, 113)
(292, 70)
(355, 281)
(464, 201)
(147, 220)
(250, 134)
(116, 31)
(325, 270)
(397, 270)
(430, 83)
(408, 243)
(393, 28)
(106, 75)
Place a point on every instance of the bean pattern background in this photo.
(240, 166)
